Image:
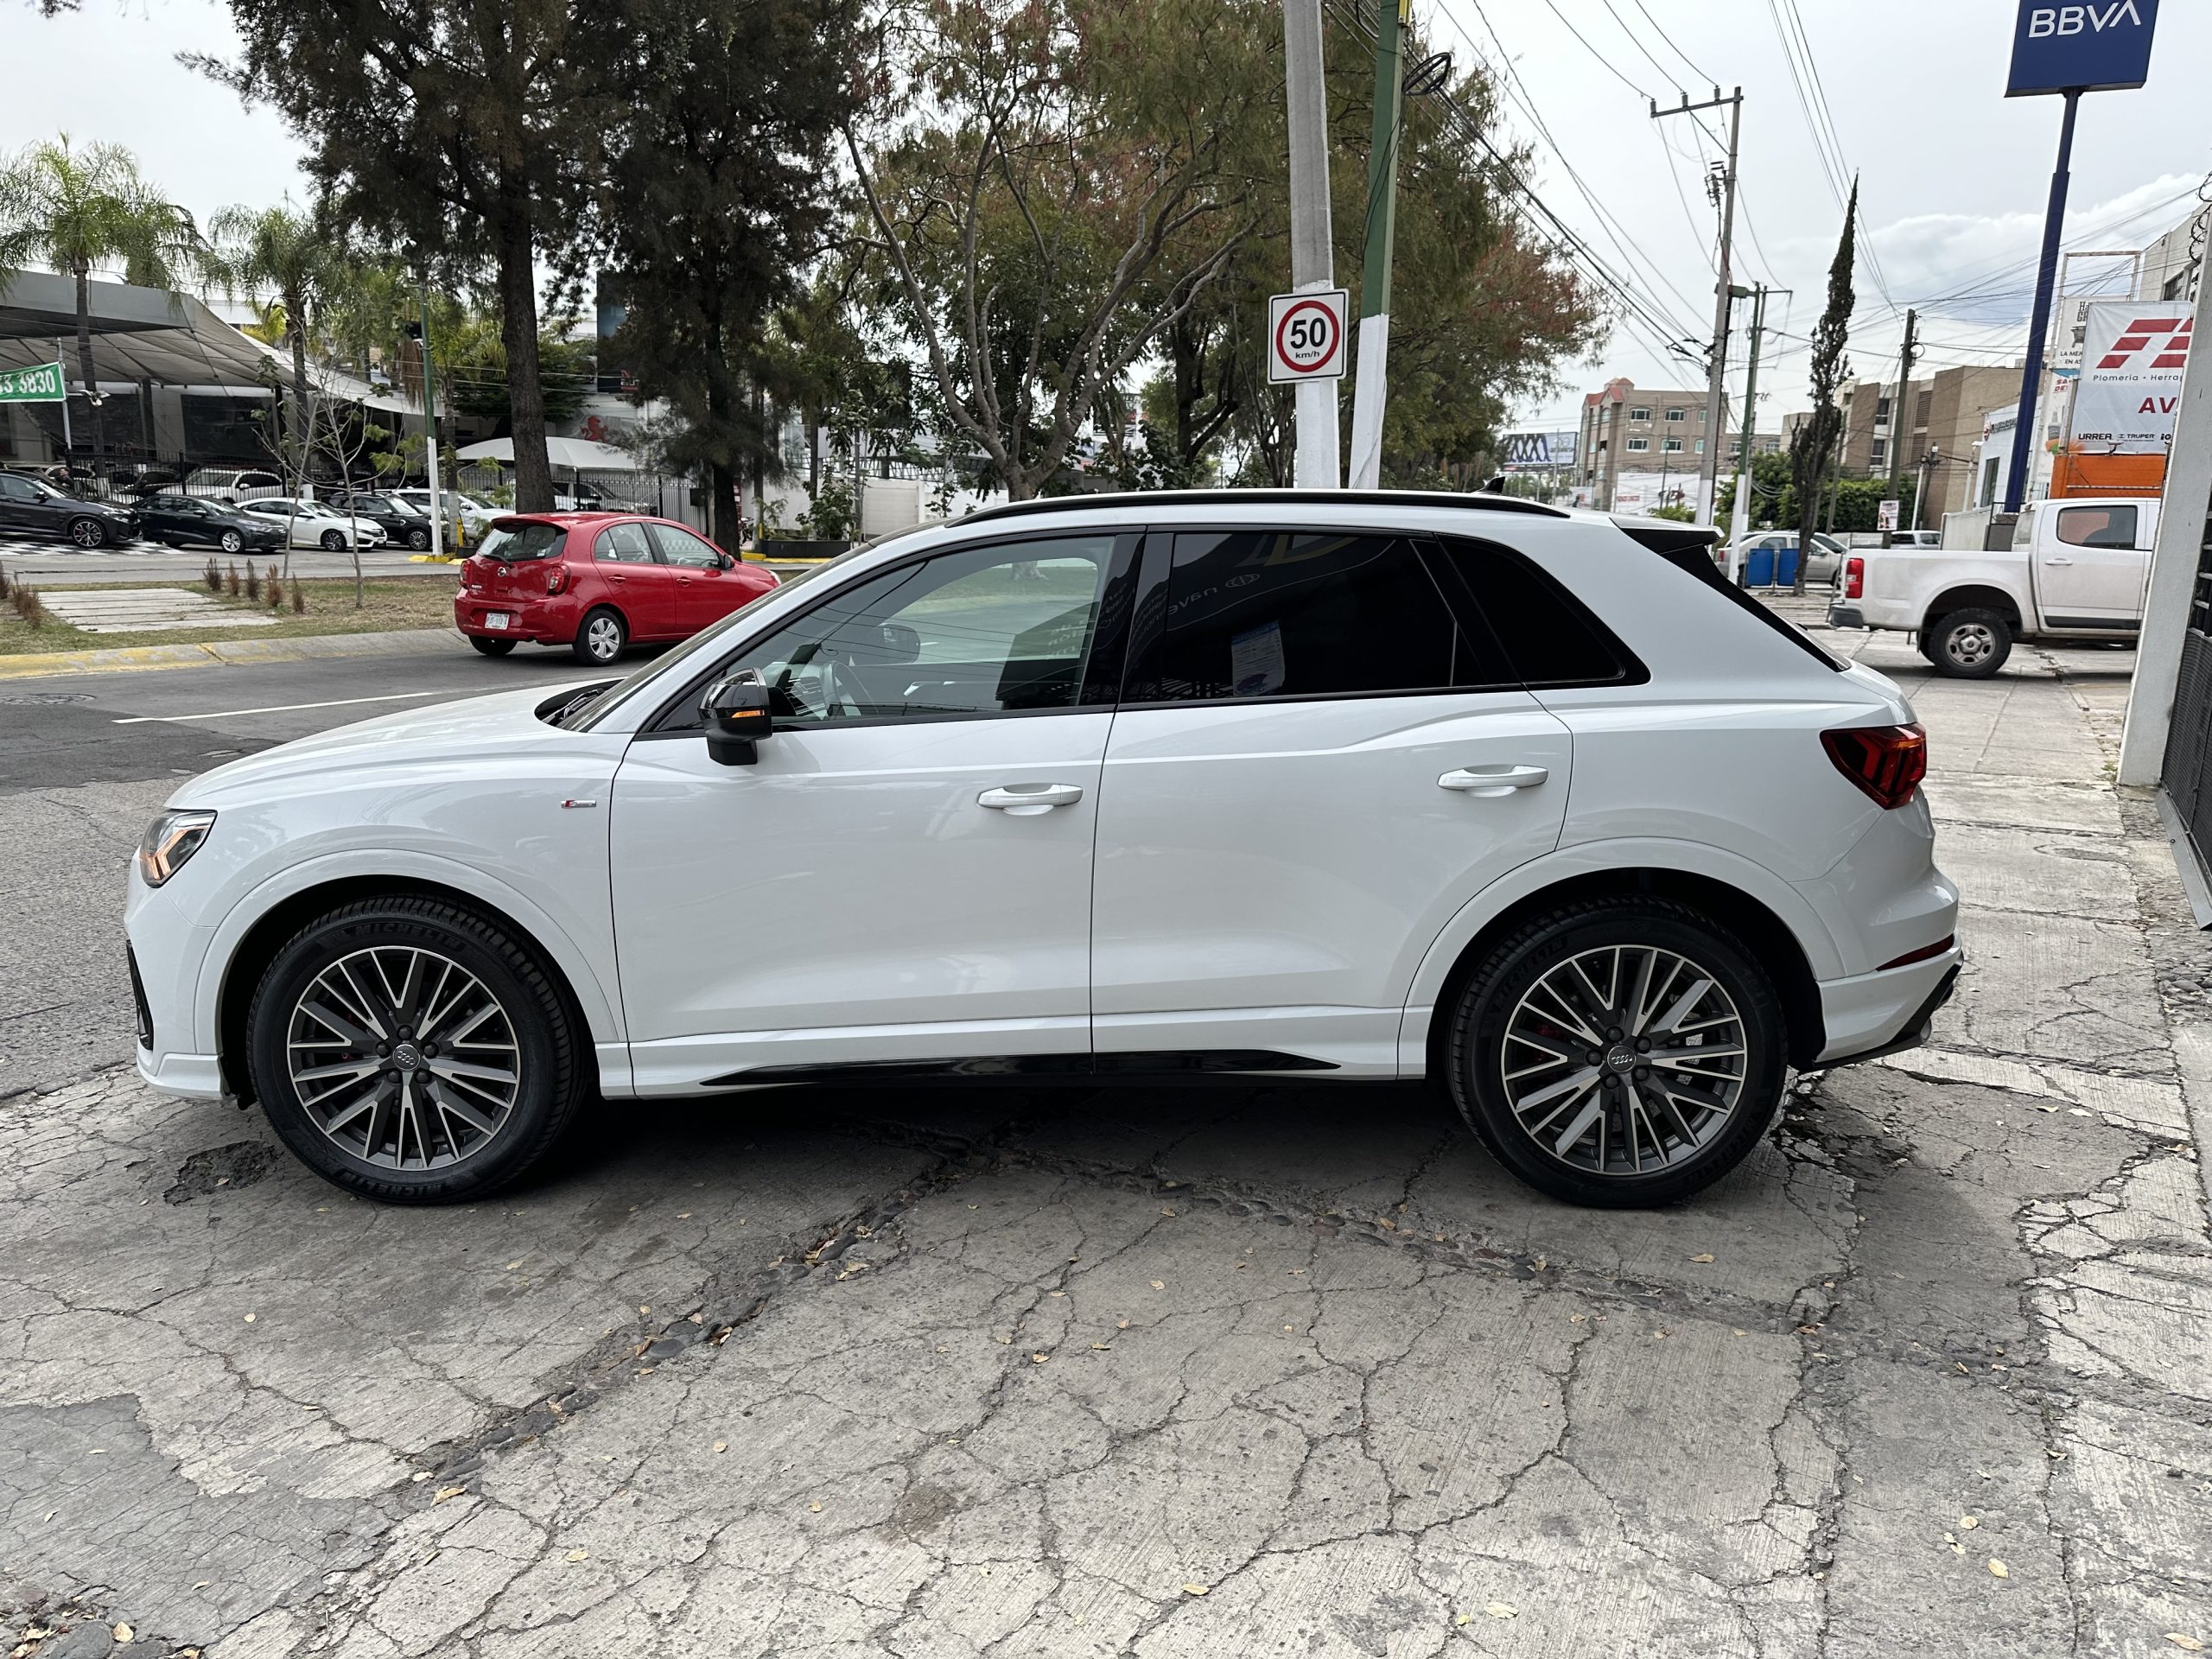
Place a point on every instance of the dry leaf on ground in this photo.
(1196, 1589)
(1997, 1569)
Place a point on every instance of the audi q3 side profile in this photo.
(1255, 785)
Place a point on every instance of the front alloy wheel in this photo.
(88, 532)
(232, 542)
(411, 1052)
(333, 542)
(1619, 1053)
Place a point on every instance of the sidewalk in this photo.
(299, 648)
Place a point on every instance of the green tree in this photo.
(1048, 184)
(468, 131)
(255, 253)
(714, 196)
(1772, 501)
(471, 358)
(74, 211)
(1816, 436)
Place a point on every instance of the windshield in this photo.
(621, 690)
(45, 488)
(511, 545)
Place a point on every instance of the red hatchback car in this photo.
(594, 581)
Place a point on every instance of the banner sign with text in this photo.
(40, 384)
(2132, 353)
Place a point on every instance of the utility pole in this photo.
(1367, 398)
(1901, 422)
(1716, 374)
(1739, 522)
(1312, 264)
(430, 425)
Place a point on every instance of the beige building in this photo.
(1640, 448)
(1945, 413)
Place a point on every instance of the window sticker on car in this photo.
(1256, 667)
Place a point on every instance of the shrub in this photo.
(275, 592)
(214, 576)
(299, 600)
(252, 581)
(231, 582)
(26, 601)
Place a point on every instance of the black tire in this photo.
(1584, 1172)
(601, 637)
(333, 541)
(1969, 644)
(419, 540)
(369, 1155)
(491, 647)
(232, 542)
(88, 533)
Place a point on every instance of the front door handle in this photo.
(1027, 800)
(2058, 561)
(1493, 781)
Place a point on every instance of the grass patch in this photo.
(424, 601)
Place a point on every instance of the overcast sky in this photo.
(1953, 174)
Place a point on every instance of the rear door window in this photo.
(1263, 614)
(624, 544)
(2097, 526)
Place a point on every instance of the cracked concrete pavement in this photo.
(1013, 1372)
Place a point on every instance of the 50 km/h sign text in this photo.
(1306, 336)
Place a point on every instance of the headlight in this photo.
(171, 839)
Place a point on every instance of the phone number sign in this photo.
(40, 384)
(1306, 336)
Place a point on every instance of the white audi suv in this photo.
(1265, 785)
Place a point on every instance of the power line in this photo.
(1701, 77)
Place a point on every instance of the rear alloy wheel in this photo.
(418, 539)
(88, 532)
(491, 647)
(334, 542)
(1619, 1053)
(410, 1052)
(1970, 645)
(600, 638)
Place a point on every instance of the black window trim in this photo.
(1159, 559)
(1122, 564)
(1634, 670)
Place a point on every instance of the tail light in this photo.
(1854, 578)
(555, 580)
(1887, 762)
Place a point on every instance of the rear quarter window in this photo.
(1549, 636)
(1690, 552)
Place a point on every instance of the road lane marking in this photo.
(287, 708)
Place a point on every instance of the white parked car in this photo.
(475, 517)
(312, 523)
(233, 485)
(1267, 784)
(2076, 571)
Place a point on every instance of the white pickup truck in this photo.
(2076, 571)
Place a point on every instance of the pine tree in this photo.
(1816, 440)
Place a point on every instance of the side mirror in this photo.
(901, 644)
(737, 716)
(727, 563)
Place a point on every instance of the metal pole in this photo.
(1367, 398)
(1312, 260)
(1900, 423)
(1739, 523)
(1717, 372)
(2024, 428)
(430, 425)
(67, 442)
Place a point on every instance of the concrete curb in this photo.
(135, 658)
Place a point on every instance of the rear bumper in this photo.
(1880, 1012)
(540, 622)
(1846, 616)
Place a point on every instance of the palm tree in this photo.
(278, 252)
(72, 210)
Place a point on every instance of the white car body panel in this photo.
(306, 525)
(1281, 876)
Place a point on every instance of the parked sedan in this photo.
(403, 525)
(31, 506)
(596, 582)
(311, 525)
(186, 521)
(474, 517)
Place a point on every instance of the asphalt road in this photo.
(85, 760)
(1162, 1373)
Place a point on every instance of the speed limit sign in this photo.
(1306, 336)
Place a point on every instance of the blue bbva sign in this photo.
(2097, 46)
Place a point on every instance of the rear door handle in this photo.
(1493, 781)
(1027, 800)
(2058, 561)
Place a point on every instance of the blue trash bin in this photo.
(1758, 567)
(1785, 573)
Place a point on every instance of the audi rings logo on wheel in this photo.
(1306, 334)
